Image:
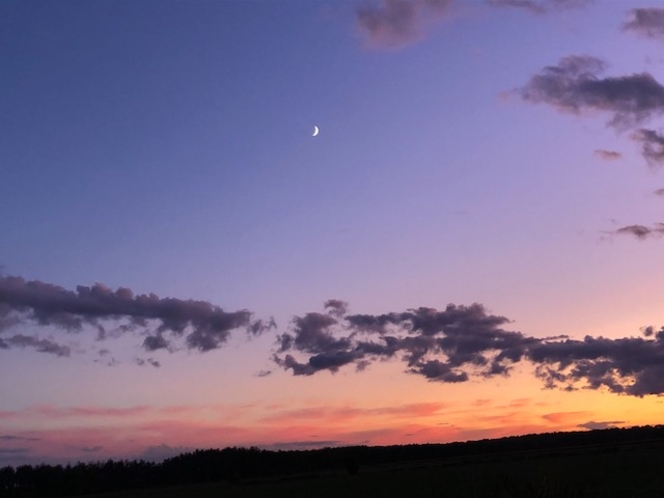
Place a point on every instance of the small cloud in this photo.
(592, 425)
(263, 373)
(91, 449)
(652, 146)
(390, 24)
(641, 232)
(648, 22)
(608, 155)
(659, 192)
(150, 361)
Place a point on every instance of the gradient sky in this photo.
(499, 152)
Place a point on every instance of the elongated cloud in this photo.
(461, 342)
(641, 232)
(540, 6)
(648, 23)
(575, 85)
(204, 325)
(608, 155)
(396, 23)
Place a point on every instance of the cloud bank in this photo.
(203, 325)
(391, 24)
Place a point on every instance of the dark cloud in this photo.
(574, 85)
(608, 155)
(641, 232)
(205, 325)
(460, 342)
(396, 23)
(652, 146)
(648, 23)
(592, 425)
(263, 373)
(659, 191)
(336, 307)
(466, 338)
(633, 366)
(540, 6)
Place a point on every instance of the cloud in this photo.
(9, 437)
(608, 155)
(467, 338)
(540, 6)
(652, 146)
(641, 232)
(204, 325)
(91, 449)
(390, 24)
(150, 361)
(659, 192)
(592, 425)
(648, 22)
(41, 345)
(574, 85)
(458, 343)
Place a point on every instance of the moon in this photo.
(316, 130)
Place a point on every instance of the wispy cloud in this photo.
(608, 155)
(389, 24)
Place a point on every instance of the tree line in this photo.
(237, 464)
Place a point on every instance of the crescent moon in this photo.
(316, 130)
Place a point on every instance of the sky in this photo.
(470, 248)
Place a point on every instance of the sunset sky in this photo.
(472, 246)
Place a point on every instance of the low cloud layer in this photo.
(576, 85)
(462, 342)
(648, 23)
(389, 24)
(452, 345)
(203, 325)
(540, 6)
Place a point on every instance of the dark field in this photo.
(619, 471)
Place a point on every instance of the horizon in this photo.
(327, 223)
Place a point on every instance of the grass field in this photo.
(621, 473)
